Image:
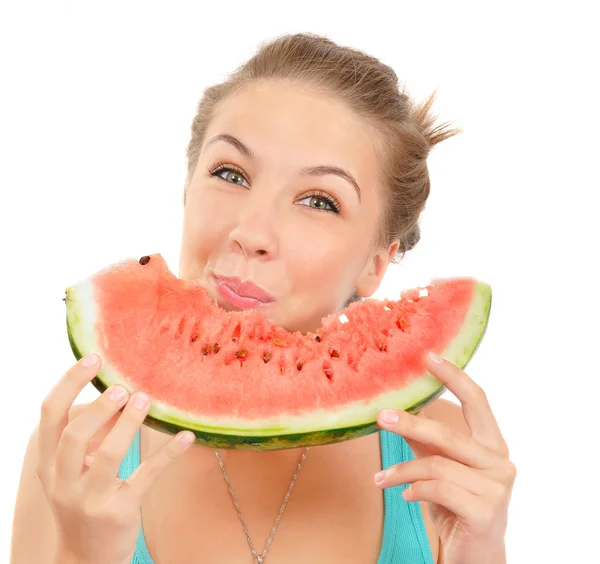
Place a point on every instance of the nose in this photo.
(255, 234)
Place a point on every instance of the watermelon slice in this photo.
(239, 381)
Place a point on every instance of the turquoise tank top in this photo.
(404, 537)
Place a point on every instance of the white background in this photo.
(97, 100)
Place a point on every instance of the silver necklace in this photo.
(261, 557)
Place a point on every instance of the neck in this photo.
(270, 459)
(259, 475)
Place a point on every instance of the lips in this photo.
(245, 289)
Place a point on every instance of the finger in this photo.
(475, 405)
(434, 468)
(55, 407)
(448, 440)
(79, 433)
(146, 473)
(117, 442)
(465, 505)
(421, 450)
(104, 430)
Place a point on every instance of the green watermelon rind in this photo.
(320, 426)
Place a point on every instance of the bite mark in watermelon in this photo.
(239, 381)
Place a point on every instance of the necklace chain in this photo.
(260, 557)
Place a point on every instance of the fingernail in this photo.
(389, 416)
(435, 358)
(117, 393)
(90, 360)
(141, 400)
(379, 477)
(186, 439)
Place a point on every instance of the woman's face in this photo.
(260, 232)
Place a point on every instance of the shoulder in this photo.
(447, 412)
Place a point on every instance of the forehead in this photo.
(291, 127)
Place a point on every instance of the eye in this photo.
(321, 201)
(235, 175)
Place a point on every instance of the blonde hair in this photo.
(406, 131)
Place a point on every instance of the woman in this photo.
(308, 241)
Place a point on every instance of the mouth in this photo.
(241, 295)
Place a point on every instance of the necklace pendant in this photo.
(259, 559)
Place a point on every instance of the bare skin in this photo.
(334, 503)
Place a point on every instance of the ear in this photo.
(372, 274)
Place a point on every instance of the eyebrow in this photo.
(321, 170)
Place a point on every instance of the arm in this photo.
(34, 527)
(34, 537)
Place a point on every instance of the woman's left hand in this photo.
(465, 478)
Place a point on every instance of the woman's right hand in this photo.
(97, 514)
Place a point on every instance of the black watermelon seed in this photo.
(144, 260)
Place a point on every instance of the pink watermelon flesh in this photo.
(230, 375)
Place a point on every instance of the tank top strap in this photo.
(404, 536)
(129, 463)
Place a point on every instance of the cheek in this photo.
(203, 227)
(323, 263)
